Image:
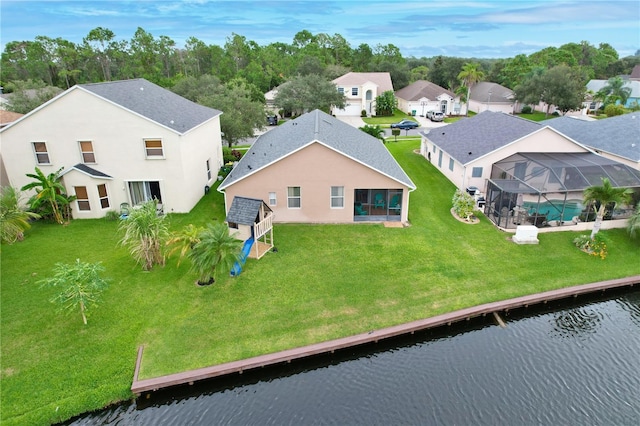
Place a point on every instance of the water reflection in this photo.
(577, 322)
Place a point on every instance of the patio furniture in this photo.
(379, 201)
(359, 210)
(124, 210)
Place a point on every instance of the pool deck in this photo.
(192, 376)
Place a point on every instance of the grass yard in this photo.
(325, 282)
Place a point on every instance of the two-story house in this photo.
(118, 142)
(361, 90)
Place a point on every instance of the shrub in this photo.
(463, 204)
(612, 110)
(595, 247)
(363, 113)
(112, 215)
(526, 109)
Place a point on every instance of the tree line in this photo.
(102, 57)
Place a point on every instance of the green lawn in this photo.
(325, 281)
(386, 121)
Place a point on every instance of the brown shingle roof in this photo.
(422, 89)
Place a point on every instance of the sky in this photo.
(427, 28)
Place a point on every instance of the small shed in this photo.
(252, 218)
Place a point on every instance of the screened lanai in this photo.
(546, 189)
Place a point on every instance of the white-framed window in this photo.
(42, 155)
(82, 198)
(476, 172)
(208, 170)
(86, 151)
(354, 91)
(102, 194)
(272, 199)
(341, 90)
(451, 164)
(294, 199)
(337, 197)
(153, 148)
(440, 158)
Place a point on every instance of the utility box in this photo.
(526, 234)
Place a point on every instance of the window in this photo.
(208, 171)
(439, 158)
(86, 150)
(102, 193)
(451, 164)
(354, 91)
(42, 156)
(341, 90)
(337, 197)
(476, 172)
(272, 199)
(82, 197)
(153, 148)
(293, 197)
(141, 192)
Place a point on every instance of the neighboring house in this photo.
(635, 73)
(317, 169)
(361, 90)
(269, 98)
(6, 118)
(521, 166)
(422, 96)
(594, 86)
(617, 137)
(118, 142)
(487, 96)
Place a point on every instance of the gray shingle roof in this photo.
(422, 89)
(471, 138)
(618, 135)
(154, 102)
(83, 168)
(317, 126)
(499, 94)
(245, 210)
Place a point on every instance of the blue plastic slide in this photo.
(246, 248)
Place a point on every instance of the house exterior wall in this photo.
(359, 102)
(117, 136)
(545, 140)
(423, 105)
(315, 169)
(478, 107)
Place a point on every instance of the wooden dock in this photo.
(192, 376)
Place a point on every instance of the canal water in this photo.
(565, 365)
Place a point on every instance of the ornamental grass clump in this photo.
(145, 234)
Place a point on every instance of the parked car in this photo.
(405, 125)
(272, 120)
(436, 116)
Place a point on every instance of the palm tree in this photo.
(634, 223)
(184, 240)
(470, 75)
(215, 253)
(614, 91)
(375, 131)
(50, 192)
(13, 219)
(145, 234)
(605, 194)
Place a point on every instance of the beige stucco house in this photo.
(361, 90)
(422, 96)
(317, 169)
(521, 167)
(118, 142)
